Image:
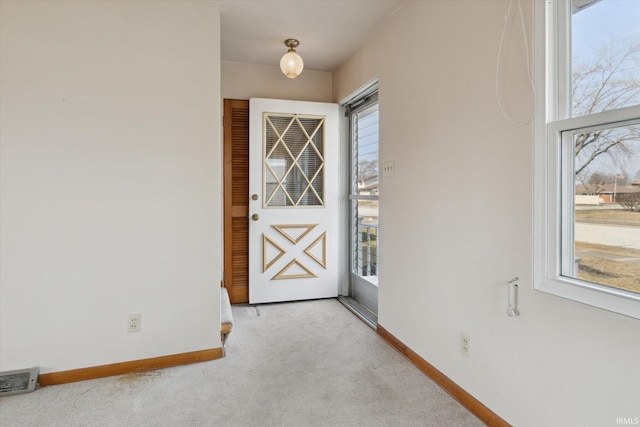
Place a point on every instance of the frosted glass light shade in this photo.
(291, 64)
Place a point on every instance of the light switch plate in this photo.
(388, 168)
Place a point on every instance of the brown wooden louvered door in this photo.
(236, 199)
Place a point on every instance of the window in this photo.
(364, 189)
(587, 185)
(294, 160)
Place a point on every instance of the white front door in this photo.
(293, 211)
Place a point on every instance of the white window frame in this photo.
(553, 80)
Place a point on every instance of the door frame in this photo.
(358, 295)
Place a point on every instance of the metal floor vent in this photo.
(19, 381)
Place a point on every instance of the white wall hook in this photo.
(512, 289)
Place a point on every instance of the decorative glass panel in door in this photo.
(294, 160)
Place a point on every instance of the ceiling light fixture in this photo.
(291, 63)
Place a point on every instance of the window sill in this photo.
(611, 299)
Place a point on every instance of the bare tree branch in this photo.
(611, 81)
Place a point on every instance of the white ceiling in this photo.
(329, 31)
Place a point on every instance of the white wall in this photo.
(110, 181)
(243, 81)
(457, 224)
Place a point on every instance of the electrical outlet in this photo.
(465, 345)
(134, 322)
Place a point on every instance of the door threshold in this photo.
(362, 312)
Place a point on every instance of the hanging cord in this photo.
(498, 77)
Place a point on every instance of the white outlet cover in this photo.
(134, 323)
(465, 345)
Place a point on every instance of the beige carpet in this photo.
(307, 363)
